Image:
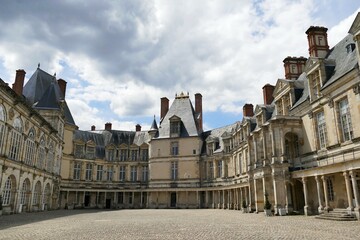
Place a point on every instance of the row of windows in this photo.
(107, 174)
(8, 193)
(345, 125)
(30, 152)
(88, 152)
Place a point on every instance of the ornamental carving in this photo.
(11, 114)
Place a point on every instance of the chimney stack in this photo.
(19, 81)
(268, 91)
(108, 126)
(138, 127)
(248, 110)
(62, 84)
(198, 110)
(294, 66)
(93, 128)
(164, 107)
(318, 42)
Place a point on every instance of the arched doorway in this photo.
(8, 194)
(25, 194)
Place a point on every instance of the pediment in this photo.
(174, 118)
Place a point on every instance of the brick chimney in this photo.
(138, 127)
(294, 66)
(248, 110)
(268, 91)
(108, 126)
(164, 107)
(19, 81)
(318, 42)
(62, 84)
(93, 128)
(198, 110)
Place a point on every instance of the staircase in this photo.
(338, 214)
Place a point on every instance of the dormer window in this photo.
(175, 123)
(90, 152)
(350, 47)
(315, 84)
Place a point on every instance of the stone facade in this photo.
(300, 147)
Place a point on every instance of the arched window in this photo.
(47, 194)
(7, 191)
(41, 154)
(50, 159)
(24, 194)
(37, 193)
(15, 140)
(30, 148)
(2, 127)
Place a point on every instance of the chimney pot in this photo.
(93, 128)
(293, 67)
(198, 110)
(108, 126)
(19, 81)
(268, 91)
(164, 108)
(248, 110)
(138, 127)
(317, 41)
(62, 84)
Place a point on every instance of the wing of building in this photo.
(299, 149)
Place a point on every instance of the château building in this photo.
(300, 148)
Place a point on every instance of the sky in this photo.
(120, 57)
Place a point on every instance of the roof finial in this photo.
(55, 74)
(38, 65)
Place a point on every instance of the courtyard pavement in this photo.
(170, 224)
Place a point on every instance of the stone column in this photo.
(326, 193)
(348, 191)
(264, 147)
(356, 193)
(255, 197)
(141, 199)
(306, 207)
(223, 196)
(255, 153)
(282, 145)
(197, 199)
(319, 193)
(273, 147)
(249, 198)
(276, 205)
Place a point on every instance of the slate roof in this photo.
(344, 61)
(219, 133)
(43, 92)
(111, 137)
(183, 109)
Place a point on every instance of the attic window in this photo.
(350, 47)
(174, 128)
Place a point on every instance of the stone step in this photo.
(336, 218)
(337, 215)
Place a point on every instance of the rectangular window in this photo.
(174, 148)
(145, 173)
(133, 155)
(77, 170)
(175, 129)
(345, 120)
(174, 170)
(321, 129)
(144, 154)
(110, 155)
(219, 170)
(90, 152)
(88, 173)
(133, 173)
(120, 198)
(123, 154)
(79, 151)
(99, 173)
(330, 188)
(315, 84)
(110, 173)
(211, 170)
(122, 173)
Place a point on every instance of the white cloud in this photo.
(128, 54)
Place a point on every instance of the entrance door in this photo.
(87, 199)
(173, 200)
(108, 203)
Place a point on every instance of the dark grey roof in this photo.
(218, 134)
(344, 61)
(154, 125)
(301, 85)
(42, 91)
(183, 109)
(111, 137)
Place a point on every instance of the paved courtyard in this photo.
(170, 224)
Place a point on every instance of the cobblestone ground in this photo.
(170, 224)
